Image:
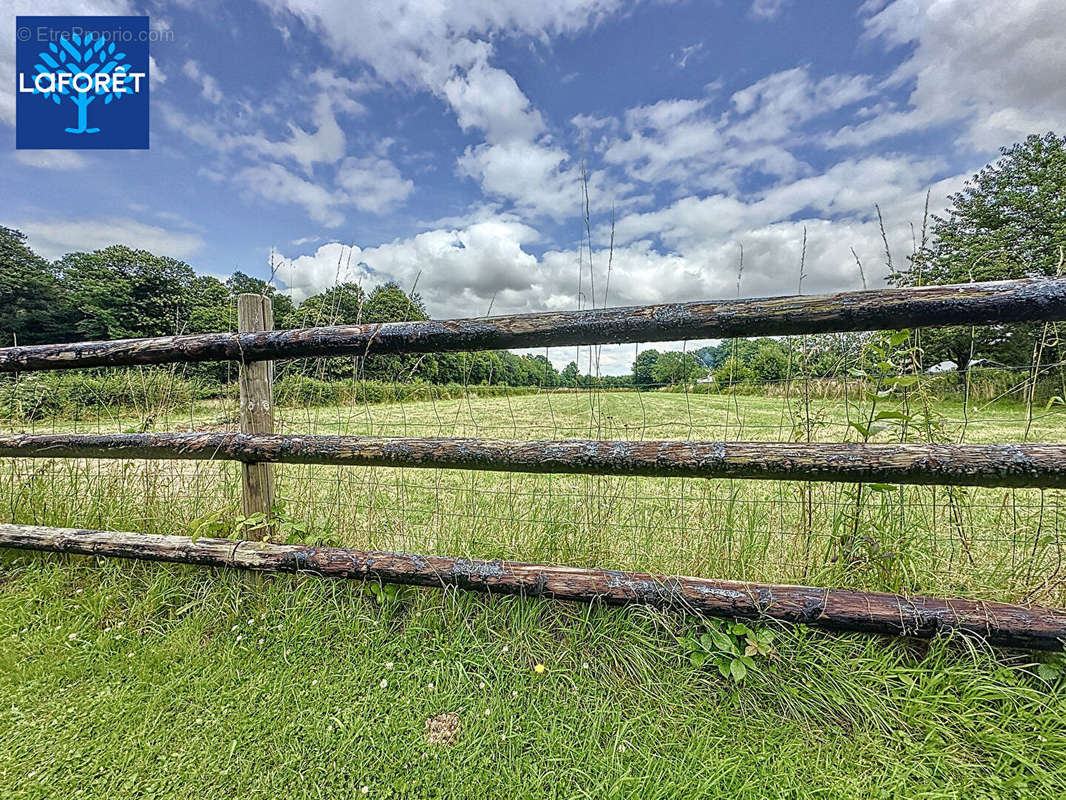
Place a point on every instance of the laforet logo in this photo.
(81, 83)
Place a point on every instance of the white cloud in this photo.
(687, 144)
(682, 57)
(342, 90)
(258, 164)
(997, 69)
(155, 73)
(209, 87)
(55, 238)
(51, 159)
(767, 9)
(458, 270)
(774, 107)
(684, 251)
(369, 183)
(488, 98)
(444, 48)
(275, 183)
(372, 183)
(325, 145)
(422, 42)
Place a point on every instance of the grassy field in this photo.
(136, 680)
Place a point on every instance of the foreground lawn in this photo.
(138, 680)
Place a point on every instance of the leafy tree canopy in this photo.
(33, 307)
(1009, 221)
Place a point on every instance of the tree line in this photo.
(120, 292)
(1009, 221)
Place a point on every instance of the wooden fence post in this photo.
(255, 312)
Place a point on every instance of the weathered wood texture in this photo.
(968, 304)
(835, 609)
(255, 312)
(1011, 465)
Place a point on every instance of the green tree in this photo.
(569, 376)
(389, 303)
(284, 308)
(732, 371)
(643, 367)
(33, 306)
(211, 306)
(1009, 221)
(674, 367)
(339, 305)
(119, 292)
(769, 362)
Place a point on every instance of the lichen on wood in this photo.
(993, 302)
(1008, 465)
(833, 609)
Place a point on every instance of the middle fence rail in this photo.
(1000, 465)
(1009, 465)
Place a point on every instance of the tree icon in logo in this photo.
(82, 69)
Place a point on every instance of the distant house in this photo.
(951, 366)
(708, 378)
(943, 366)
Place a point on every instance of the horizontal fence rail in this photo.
(877, 309)
(1007, 465)
(835, 609)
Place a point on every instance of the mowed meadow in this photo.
(135, 679)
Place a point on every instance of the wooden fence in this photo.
(255, 346)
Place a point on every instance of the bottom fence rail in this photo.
(1000, 624)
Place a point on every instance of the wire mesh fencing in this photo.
(1004, 544)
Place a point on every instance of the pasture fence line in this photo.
(1041, 466)
(255, 346)
(992, 302)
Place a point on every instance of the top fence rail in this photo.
(1034, 299)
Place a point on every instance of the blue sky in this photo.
(439, 144)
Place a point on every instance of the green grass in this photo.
(125, 680)
(139, 680)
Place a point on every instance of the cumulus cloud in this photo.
(263, 166)
(274, 183)
(458, 271)
(372, 183)
(435, 37)
(688, 143)
(997, 69)
(445, 48)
